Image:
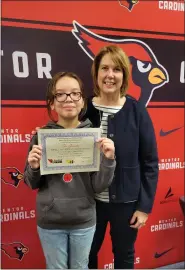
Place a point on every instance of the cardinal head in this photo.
(15, 250)
(11, 176)
(129, 4)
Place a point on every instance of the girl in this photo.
(66, 213)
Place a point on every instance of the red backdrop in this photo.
(41, 38)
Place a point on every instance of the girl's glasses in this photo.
(61, 97)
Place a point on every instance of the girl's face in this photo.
(110, 76)
(68, 107)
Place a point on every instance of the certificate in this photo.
(69, 150)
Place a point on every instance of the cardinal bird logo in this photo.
(147, 74)
(11, 176)
(15, 250)
(129, 4)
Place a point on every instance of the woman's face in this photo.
(110, 76)
(67, 107)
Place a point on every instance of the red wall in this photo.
(42, 38)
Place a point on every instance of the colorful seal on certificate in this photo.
(67, 177)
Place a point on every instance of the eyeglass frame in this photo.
(68, 95)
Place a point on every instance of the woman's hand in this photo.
(34, 156)
(107, 147)
(140, 218)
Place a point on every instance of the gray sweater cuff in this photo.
(34, 172)
(108, 162)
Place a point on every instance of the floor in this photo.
(180, 265)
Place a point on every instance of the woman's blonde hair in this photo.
(120, 58)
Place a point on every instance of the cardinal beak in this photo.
(156, 76)
(20, 176)
(24, 250)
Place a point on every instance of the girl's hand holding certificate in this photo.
(107, 147)
(34, 157)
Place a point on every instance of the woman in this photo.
(129, 199)
(66, 214)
